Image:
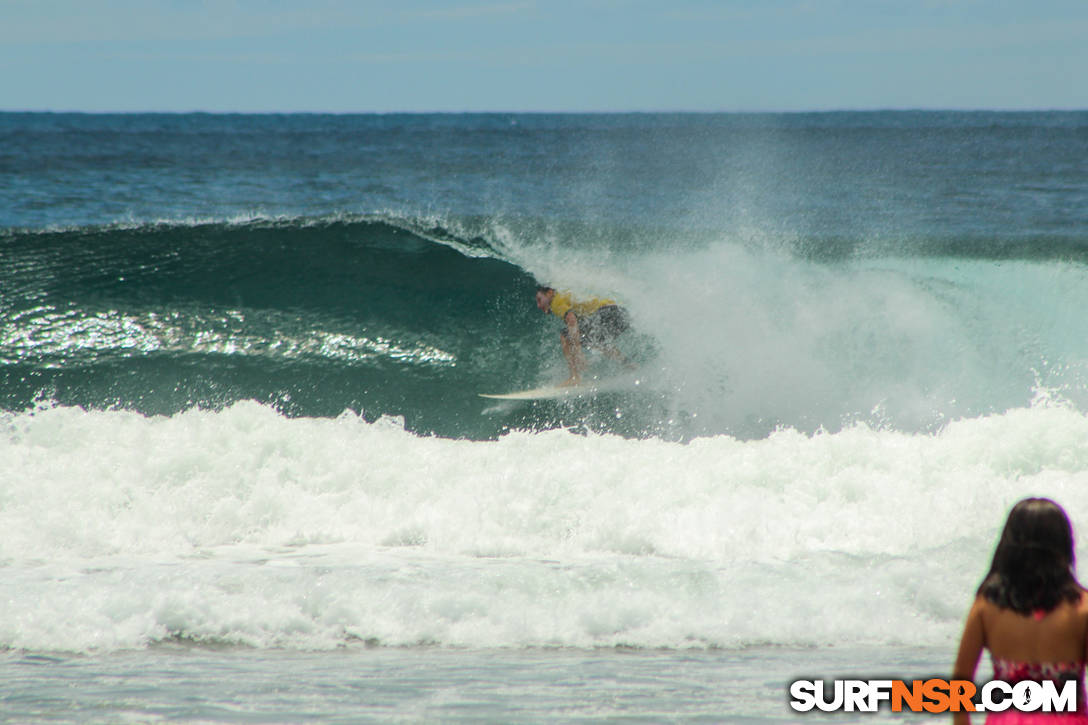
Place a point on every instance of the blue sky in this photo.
(539, 55)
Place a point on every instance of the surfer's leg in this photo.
(602, 327)
(612, 353)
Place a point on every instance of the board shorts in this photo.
(603, 326)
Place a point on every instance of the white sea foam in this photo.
(118, 530)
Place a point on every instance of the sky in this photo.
(541, 55)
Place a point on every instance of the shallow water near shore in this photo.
(356, 683)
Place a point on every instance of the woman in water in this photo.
(1030, 612)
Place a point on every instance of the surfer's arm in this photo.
(571, 321)
(572, 348)
(575, 337)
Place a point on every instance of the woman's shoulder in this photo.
(982, 610)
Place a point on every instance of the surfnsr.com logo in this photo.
(933, 695)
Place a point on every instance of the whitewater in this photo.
(246, 476)
(244, 527)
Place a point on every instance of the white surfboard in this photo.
(550, 392)
(555, 392)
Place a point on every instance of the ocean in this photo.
(246, 474)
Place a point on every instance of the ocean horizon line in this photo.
(540, 112)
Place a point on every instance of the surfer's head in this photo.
(1033, 564)
(544, 297)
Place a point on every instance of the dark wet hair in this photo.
(544, 288)
(1033, 564)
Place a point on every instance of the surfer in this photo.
(593, 323)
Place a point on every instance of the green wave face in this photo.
(314, 316)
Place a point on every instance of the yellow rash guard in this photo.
(562, 302)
